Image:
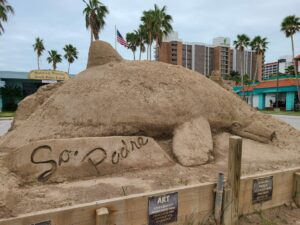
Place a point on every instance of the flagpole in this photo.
(115, 37)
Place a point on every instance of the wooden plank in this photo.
(233, 182)
(227, 218)
(296, 191)
(282, 191)
(101, 216)
(195, 202)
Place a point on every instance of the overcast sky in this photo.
(60, 22)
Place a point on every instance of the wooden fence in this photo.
(195, 203)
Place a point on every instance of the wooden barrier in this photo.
(296, 192)
(195, 203)
(283, 191)
(232, 193)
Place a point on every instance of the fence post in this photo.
(297, 188)
(101, 216)
(232, 191)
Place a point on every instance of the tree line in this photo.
(290, 26)
(71, 54)
(155, 24)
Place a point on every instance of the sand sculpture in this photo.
(121, 115)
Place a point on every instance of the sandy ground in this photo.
(20, 199)
(287, 215)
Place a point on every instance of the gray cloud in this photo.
(61, 22)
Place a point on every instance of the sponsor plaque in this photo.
(262, 189)
(163, 209)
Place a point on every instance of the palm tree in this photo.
(132, 41)
(54, 58)
(290, 26)
(95, 13)
(241, 44)
(39, 49)
(5, 9)
(162, 25)
(71, 54)
(259, 46)
(148, 25)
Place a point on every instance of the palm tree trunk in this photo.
(157, 49)
(140, 57)
(69, 68)
(254, 79)
(54, 66)
(242, 75)
(295, 68)
(147, 51)
(38, 62)
(150, 49)
(150, 52)
(91, 36)
(133, 52)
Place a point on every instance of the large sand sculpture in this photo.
(121, 116)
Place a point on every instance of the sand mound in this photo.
(101, 53)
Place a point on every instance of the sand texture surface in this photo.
(118, 109)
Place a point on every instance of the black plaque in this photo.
(163, 209)
(262, 189)
(43, 223)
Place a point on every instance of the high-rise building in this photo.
(278, 67)
(270, 69)
(205, 58)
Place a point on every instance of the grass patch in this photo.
(7, 114)
(286, 113)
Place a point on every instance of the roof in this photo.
(272, 84)
(13, 75)
(270, 63)
(297, 57)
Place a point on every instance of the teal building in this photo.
(266, 94)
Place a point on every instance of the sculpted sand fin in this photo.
(192, 142)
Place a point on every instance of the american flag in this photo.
(121, 40)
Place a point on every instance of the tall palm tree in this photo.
(241, 44)
(71, 54)
(132, 41)
(162, 25)
(290, 26)
(39, 48)
(148, 25)
(54, 58)
(259, 46)
(95, 13)
(5, 9)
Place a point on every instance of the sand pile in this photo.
(147, 125)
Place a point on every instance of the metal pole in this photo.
(277, 92)
(219, 198)
(116, 38)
